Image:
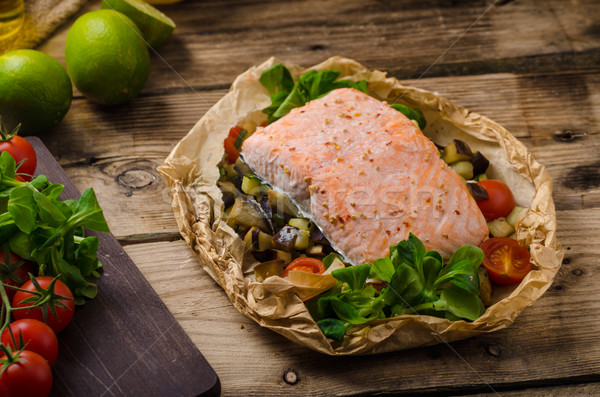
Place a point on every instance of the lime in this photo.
(35, 90)
(106, 57)
(155, 26)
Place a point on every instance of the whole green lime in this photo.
(35, 91)
(106, 57)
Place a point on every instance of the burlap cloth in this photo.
(42, 17)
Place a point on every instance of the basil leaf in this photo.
(460, 303)
(328, 260)
(383, 269)
(355, 276)
(413, 114)
(48, 211)
(347, 312)
(332, 328)
(22, 208)
(88, 213)
(85, 255)
(8, 165)
(277, 78)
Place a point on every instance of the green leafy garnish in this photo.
(38, 226)
(287, 94)
(413, 114)
(418, 282)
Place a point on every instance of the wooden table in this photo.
(532, 66)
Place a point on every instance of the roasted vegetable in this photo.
(286, 237)
(457, 151)
(499, 227)
(302, 240)
(514, 215)
(281, 203)
(463, 168)
(246, 213)
(477, 191)
(257, 240)
(253, 186)
(480, 163)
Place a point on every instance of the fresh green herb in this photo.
(413, 114)
(38, 226)
(287, 94)
(239, 140)
(417, 280)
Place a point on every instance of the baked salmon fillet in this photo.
(366, 176)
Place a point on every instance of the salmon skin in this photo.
(367, 177)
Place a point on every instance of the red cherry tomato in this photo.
(501, 201)
(63, 314)
(505, 260)
(309, 265)
(14, 271)
(28, 376)
(37, 337)
(232, 152)
(21, 150)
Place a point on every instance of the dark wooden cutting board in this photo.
(125, 342)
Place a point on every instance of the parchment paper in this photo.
(191, 174)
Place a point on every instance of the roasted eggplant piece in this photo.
(480, 163)
(247, 213)
(457, 151)
(477, 191)
(317, 237)
(286, 237)
(229, 191)
(258, 240)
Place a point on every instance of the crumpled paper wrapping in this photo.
(191, 174)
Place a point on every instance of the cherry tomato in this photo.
(21, 150)
(37, 337)
(309, 265)
(15, 271)
(232, 152)
(63, 314)
(28, 376)
(505, 260)
(501, 201)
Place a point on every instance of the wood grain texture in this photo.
(124, 341)
(216, 40)
(531, 66)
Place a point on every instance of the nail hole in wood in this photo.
(290, 377)
(577, 272)
(566, 261)
(558, 287)
(494, 350)
(317, 47)
(569, 135)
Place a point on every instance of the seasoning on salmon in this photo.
(366, 175)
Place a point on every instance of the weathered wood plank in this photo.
(116, 150)
(128, 307)
(251, 361)
(215, 40)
